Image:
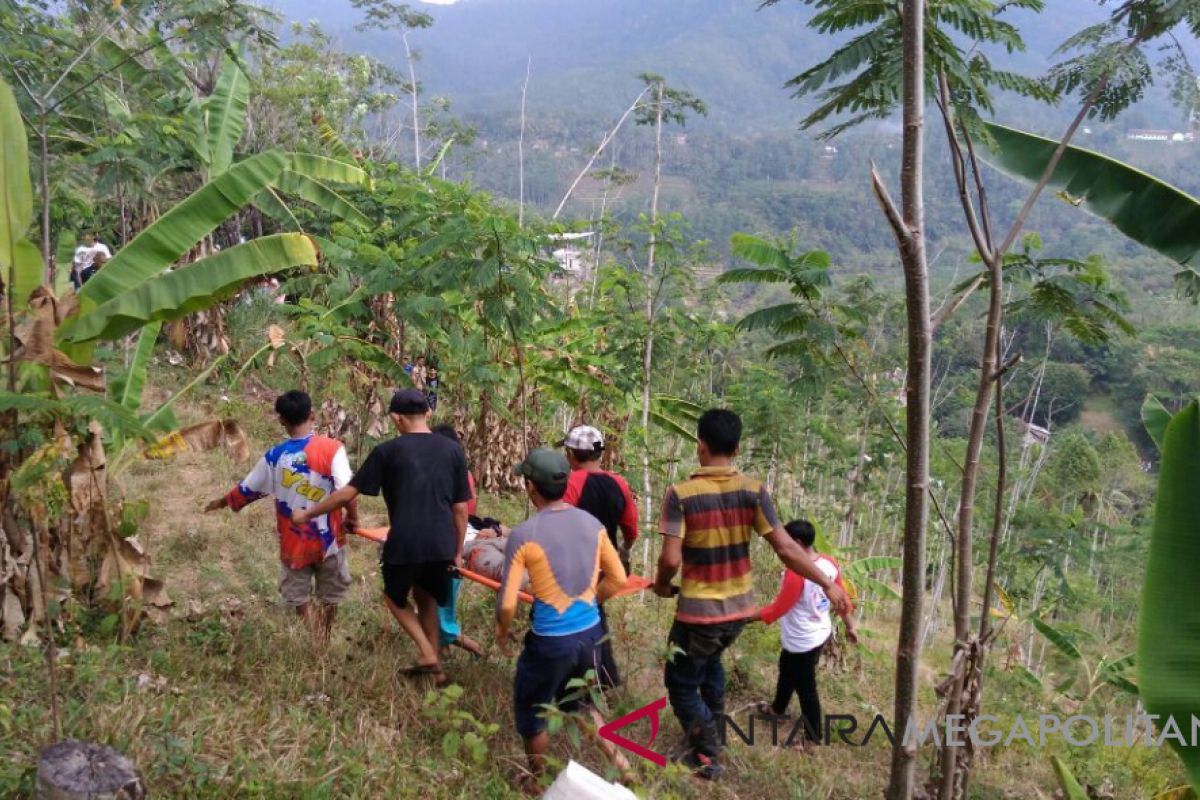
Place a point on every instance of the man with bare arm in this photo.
(708, 522)
(423, 478)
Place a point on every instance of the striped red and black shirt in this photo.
(717, 511)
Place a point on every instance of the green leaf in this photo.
(328, 170)
(1059, 639)
(17, 401)
(225, 115)
(333, 141)
(26, 272)
(135, 378)
(321, 196)
(864, 566)
(1168, 648)
(1070, 787)
(16, 197)
(1155, 418)
(1148, 210)
(175, 233)
(194, 287)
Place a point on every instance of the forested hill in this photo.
(586, 53)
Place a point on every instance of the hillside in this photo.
(585, 55)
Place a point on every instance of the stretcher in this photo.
(634, 583)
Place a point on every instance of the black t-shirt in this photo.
(602, 497)
(422, 475)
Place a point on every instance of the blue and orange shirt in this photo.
(716, 512)
(299, 473)
(564, 550)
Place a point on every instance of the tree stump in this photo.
(72, 770)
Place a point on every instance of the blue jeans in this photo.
(695, 679)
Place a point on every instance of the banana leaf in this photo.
(1150, 211)
(321, 196)
(864, 566)
(1070, 787)
(135, 379)
(1155, 418)
(225, 115)
(16, 201)
(194, 287)
(332, 141)
(175, 233)
(1062, 641)
(120, 61)
(328, 170)
(1168, 647)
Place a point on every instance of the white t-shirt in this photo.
(803, 609)
(84, 255)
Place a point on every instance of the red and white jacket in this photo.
(803, 609)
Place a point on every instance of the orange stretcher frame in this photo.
(634, 583)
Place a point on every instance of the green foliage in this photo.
(20, 263)
(861, 80)
(1155, 417)
(1168, 653)
(1070, 787)
(129, 389)
(194, 287)
(1148, 210)
(222, 118)
(464, 736)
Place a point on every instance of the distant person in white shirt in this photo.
(85, 256)
(803, 613)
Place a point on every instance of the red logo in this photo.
(609, 731)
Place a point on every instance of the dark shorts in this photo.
(433, 576)
(546, 666)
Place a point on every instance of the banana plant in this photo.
(1148, 210)
(19, 258)
(1168, 647)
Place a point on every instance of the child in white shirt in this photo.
(803, 613)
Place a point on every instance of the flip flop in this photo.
(422, 669)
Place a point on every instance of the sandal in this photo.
(422, 669)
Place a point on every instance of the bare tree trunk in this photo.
(43, 138)
(416, 112)
(521, 149)
(599, 149)
(854, 493)
(648, 353)
(965, 558)
(909, 228)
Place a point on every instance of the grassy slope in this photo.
(233, 701)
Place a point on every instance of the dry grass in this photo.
(230, 699)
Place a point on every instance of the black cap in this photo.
(409, 403)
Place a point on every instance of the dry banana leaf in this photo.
(201, 438)
(35, 333)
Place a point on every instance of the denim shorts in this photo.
(546, 666)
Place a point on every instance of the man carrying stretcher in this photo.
(423, 478)
(564, 551)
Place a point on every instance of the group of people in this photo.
(571, 556)
(89, 257)
(424, 378)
